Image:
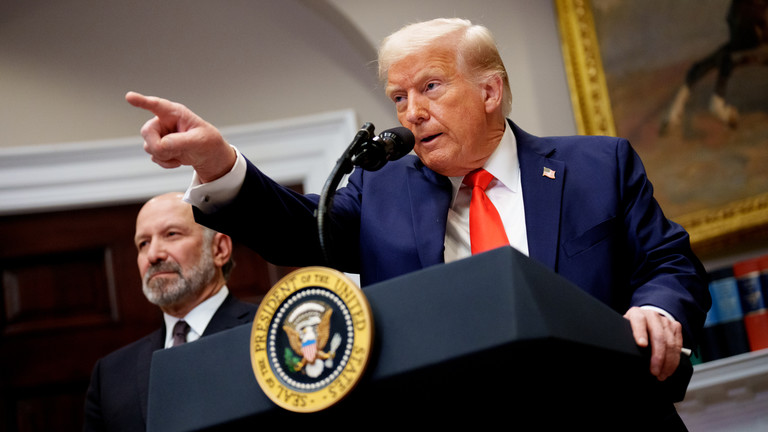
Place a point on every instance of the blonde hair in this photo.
(476, 52)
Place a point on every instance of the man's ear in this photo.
(493, 89)
(222, 249)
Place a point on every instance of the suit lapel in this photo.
(430, 197)
(231, 313)
(542, 195)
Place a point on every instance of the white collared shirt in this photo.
(198, 318)
(506, 194)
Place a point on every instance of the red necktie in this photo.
(486, 231)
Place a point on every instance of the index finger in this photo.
(157, 106)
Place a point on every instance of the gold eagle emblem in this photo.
(309, 337)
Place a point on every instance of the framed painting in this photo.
(686, 83)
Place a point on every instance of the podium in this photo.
(495, 337)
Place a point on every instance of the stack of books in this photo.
(738, 320)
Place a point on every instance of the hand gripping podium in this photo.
(495, 337)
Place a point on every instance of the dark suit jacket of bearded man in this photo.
(117, 396)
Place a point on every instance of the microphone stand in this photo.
(344, 165)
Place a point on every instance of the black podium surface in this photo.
(495, 337)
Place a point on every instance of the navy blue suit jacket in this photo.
(117, 395)
(596, 223)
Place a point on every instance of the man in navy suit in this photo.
(184, 268)
(580, 205)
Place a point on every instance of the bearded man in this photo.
(184, 267)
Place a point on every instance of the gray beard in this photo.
(165, 292)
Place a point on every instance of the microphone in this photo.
(369, 153)
(390, 145)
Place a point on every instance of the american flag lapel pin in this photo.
(549, 173)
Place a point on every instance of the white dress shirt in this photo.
(506, 194)
(198, 318)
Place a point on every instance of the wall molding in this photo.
(108, 172)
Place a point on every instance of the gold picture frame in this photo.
(713, 231)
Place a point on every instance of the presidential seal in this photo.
(311, 339)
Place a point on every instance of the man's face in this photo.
(448, 114)
(174, 260)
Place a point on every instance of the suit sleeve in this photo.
(664, 271)
(280, 225)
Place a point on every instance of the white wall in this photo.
(65, 65)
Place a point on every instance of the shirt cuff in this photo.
(659, 311)
(209, 197)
